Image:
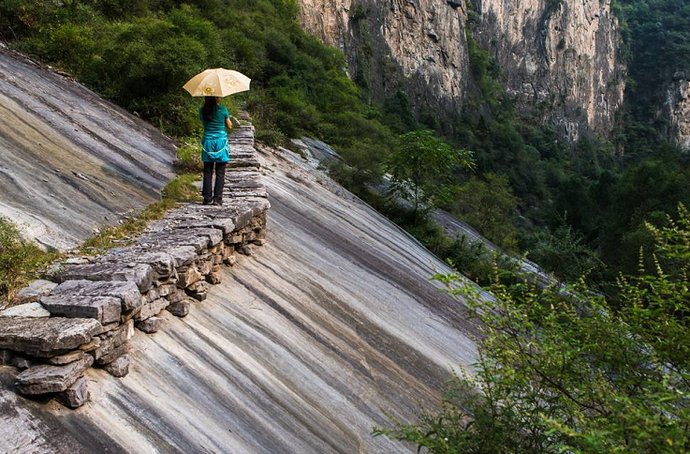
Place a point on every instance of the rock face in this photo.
(678, 106)
(415, 46)
(559, 59)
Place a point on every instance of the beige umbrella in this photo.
(218, 82)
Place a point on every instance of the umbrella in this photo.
(218, 82)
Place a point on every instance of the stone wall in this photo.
(87, 311)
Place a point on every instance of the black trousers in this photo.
(210, 191)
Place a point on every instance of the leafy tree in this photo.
(422, 167)
(564, 252)
(489, 206)
(564, 373)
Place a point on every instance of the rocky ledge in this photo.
(87, 311)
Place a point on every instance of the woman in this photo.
(215, 148)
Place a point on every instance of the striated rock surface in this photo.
(302, 348)
(558, 58)
(71, 162)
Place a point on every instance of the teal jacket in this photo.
(214, 143)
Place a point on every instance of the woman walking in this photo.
(215, 148)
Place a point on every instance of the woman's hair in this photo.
(210, 105)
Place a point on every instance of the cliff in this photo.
(559, 59)
(415, 46)
(678, 110)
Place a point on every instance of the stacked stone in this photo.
(87, 313)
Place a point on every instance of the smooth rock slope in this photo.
(71, 162)
(304, 346)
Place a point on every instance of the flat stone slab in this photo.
(170, 239)
(45, 379)
(46, 336)
(105, 309)
(234, 193)
(34, 291)
(126, 292)
(225, 225)
(67, 358)
(180, 254)
(141, 274)
(28, 310)
(162, 262)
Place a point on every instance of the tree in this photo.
(422, 166)
(564, 373)
(489, 205)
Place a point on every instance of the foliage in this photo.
(561, 372)
(659, 41)
(565, 253)
(20, 261)
(422, 165)
(139, 54)
(188, 156)
(489, 205)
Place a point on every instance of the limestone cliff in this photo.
(417, 46)
(560, 59)
(678, 111)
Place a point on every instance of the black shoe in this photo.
(218, 202)
(207, 201)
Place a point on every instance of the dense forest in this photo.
(584, 211)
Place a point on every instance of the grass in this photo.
(21, 261)
(179, 189)
(188, 156)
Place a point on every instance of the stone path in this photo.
(89, 309)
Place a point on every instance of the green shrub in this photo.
(20, 261)
(565, 373)
(189, 156)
